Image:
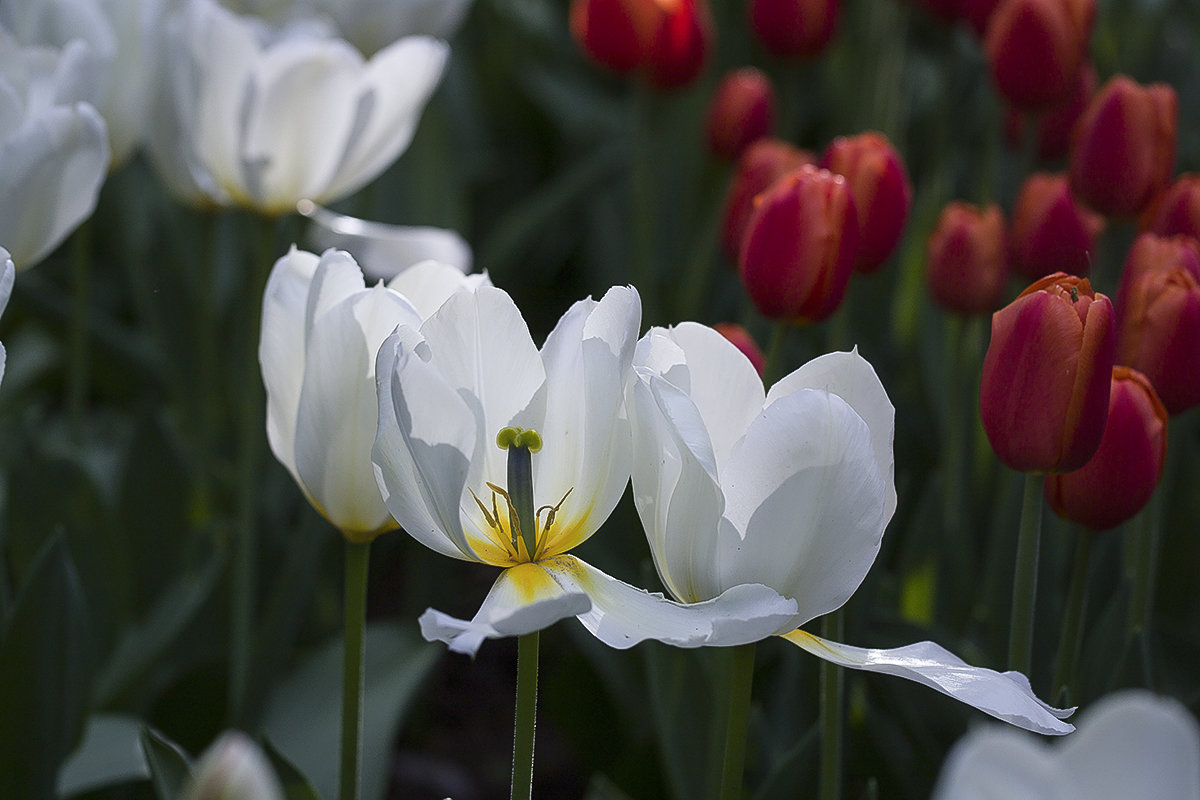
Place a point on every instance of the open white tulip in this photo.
(1129, 744)
(265, 118)
(7, 275)
(790, 489)
(321, 328)
(491, 451)
(53, 145)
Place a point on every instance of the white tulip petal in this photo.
(852, 378)
(335, 278)
(8, 274)
(622, 615)
(995, 763)
(422, 449)
(805, 492)
(524, 599)
(1005, 695)
(429, 284)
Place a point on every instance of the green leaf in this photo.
(295, 785)
(169, 766)
(601, 788)
(110, 754)
(44, 674)
(304, 712)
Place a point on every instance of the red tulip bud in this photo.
(1054, 124)
(1036, 47)
(795, 27)
(799, 248)
(967, 265)
(759, 166)
(668, 39)
(1158, 317)
(1177, 210)
(1050, 231)
(743, 341)
(1043, 396)
(1118, 480)
(882, 193)
(742, 111)
(1123, 148)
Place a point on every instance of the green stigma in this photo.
(521, 444)
(513, 436)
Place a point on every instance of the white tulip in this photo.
(321, 328)
(232, 768)
(789, 491)
(8, 274)
(1129, 744)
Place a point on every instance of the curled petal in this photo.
(1005, 695)
(524, 599)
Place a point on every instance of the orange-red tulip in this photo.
(1177, 210)
(967, 266)
(760, 165)
(795, 27)
(1036, 47)
(741, 112)
(668, 40)
(882, 193)
(1050, 231)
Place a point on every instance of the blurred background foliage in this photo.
(118, 497)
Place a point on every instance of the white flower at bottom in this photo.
(8, 273)
(233, 768)
(789, 489)
(1129, 744)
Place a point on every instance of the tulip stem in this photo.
(833, 688)
(1020, 637)
(741, 682)
(1146, 536)
(353, 675)
(641, 115)
(1066, 670)
(776, 347)
(77, 386)
(525, 721)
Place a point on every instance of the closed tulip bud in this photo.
(882, 193)
(795, 27)
(1123, 148)
(967, 264)
(1050, 231)
(669, 40)
(759, 166)
(741, 112)
(232, 768)
(1054, 124)
(1177, 210)
(798, 252)
(1043, 396)
(681, 46)
(1036, 47)
(1118, 480)
(743, 341)
(1158, 317)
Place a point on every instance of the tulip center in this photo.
(523, 526)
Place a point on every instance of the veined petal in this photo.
(423, 447)
(805, 493)
(852, 378)
(429, 284)
(1005, 695)
(675, 486)
(524, 599)
(622, 615)
(586, 448)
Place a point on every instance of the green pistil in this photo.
(521, 445)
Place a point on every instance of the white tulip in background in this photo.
(7, 274)
(264, 118)
(371, 25)
(789, 489)
(446, 391)
(232, 768)
(1130, 744)
(321, 328)
(382, 250)
(53, 145)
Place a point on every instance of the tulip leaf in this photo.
(295, 785)
(303, 714)
(109, 755)
(44, 674)
(168, 765)
(601, 788)
(680, 703)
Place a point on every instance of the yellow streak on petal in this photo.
(569, 529)
(530, 582)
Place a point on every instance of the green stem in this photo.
(741, 683)
(353, 676)
(1066, 670)
(77, 381)
(833, 687)
(644, 273)
(526, 716)
(703, 258)
(773, 366)
(1020, 636)
(1147, 532)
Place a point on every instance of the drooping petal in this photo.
(1005, 695)
(804, 491)
(429, 284)
(524, 599)
(622, 615)
(337, 418)
(423, 447)
(586, 443)
(852, 378)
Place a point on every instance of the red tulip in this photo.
(1120, 478)
(1036, 47)
(1177, 210)
(795, 27)
(743, 341)
(882, 193)
(798, 251)
(1123, 148)
(759, 166)
(741, 112)
(967, 265)
(1054, 124)
(1043, 396)
(1050, 231)
(668, 40)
